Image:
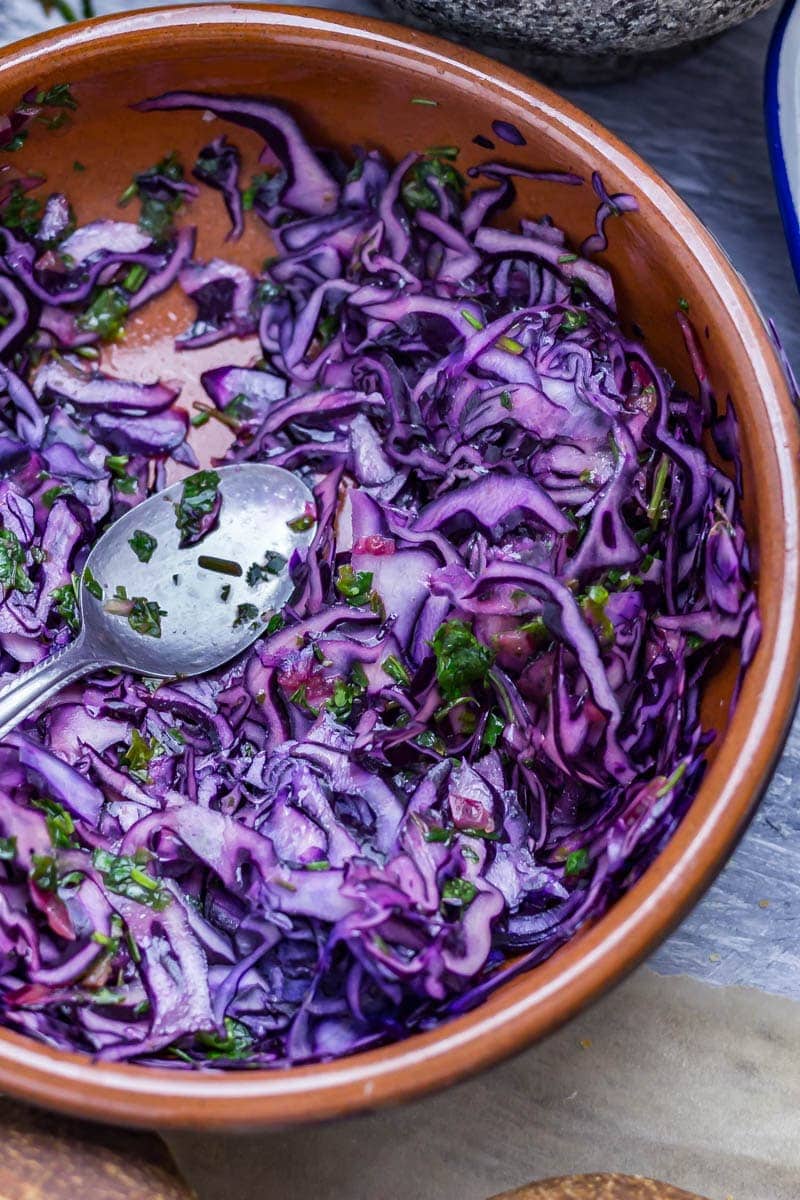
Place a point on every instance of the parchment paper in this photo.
(667, 1077)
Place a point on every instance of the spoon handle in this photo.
(29, 690)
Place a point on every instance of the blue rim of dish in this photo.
(772, 106)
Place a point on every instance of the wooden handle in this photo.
(598, 1187)
(46, 1157)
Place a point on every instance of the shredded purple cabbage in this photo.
(476, 723)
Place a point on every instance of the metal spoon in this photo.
(209, 610)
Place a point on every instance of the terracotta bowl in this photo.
(353, 80)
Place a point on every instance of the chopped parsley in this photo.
(461, 660)
(58, 96)
(13, 573)
(237, 1044)
(505, 400)
(200, 498)
(145, 617)
(245, 615)
(459, 891)
(576, 862)
(143, 545)
(160, 203)
(52, 494)
(416, 192)
(60, 824)
(21, 211)
(355, 587)
(275, 623)
(493, 730)
(272, 565)
(106, 313)
(138, 756)
(16, 142)
(302, 523)
(91, 584)
(124, 874)
(574, 319)
(396, 671)
(8, 848)
(44, 872)
(116, 464)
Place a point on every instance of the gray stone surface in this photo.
(577, 39)
(700, 123)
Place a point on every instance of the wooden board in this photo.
(598, 1187)
(46, 1157)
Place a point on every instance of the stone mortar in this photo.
(578, 41)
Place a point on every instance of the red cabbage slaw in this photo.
(476, 723)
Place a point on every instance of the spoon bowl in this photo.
(209, 610)
(153, 605)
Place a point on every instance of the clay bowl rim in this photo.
(606, 952)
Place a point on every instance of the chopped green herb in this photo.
(249, 194)
(355, 587)
(359, 675)
(21, 211)
(60, 824)
(13, 574)
(505, 400)
(576, 862)
(143, 545)
(302, 523)
(199, 497)
(674, 778)
(272, 565)
(145, 617)
(683, 304)
(106, 313)
(511, 345)
(341, 702)
(52, 494)
(91, 584)
(436, 834)
(122, 481)
(8, 848)
(593, 603)
(459, 891)
(396, 671)
(135, 278)
(416, 191)
(567, 258)
(428, 740)
(200, 418)
(424, 100)
(471, 319)
(655, 507)
(58, 96)
(237, 1044)
(124, 874)
(158, 212)
(274, 624)
(222, 566)
(139, 755)
(319, 864)
(574, 319)
(78, 166)
(44, 872)
(245, 614)
(300, 697)
(225, 592)
(493, 730)
(461, 660)
(16, 142)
